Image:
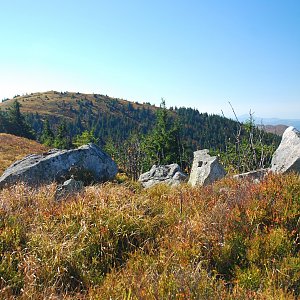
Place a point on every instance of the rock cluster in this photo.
(90, 164)
(169, 174)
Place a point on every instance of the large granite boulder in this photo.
(287, 156)
(205, 169)
(86, 163)
(169, 174)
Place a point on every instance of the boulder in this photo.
(287, 156)
(87, 162)
(205, 169)
(169, 174)
(69, 187)
(256, 176)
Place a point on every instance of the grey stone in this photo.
(69, 187)
(87, 162)
(169, 174)
(256, 176)
(287, 156)
(205, 169)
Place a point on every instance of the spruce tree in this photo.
(62, 138)
(17, 124)
(4, 124)
(87, 136)
(47, 136)
(162, 145)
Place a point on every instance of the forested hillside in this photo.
(117, 118)
(65, 120)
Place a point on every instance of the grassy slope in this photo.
(58, 104)
(232, 240)
(13, 148)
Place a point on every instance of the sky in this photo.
(192, 53)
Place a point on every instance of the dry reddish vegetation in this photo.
(13, 148)
(232, 240)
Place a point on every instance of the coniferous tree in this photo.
(86, 137)
(162, 145)
(47, 136)
(4, 124)
(62, 138)
(17, 123)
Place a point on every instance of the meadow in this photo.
(231, 240)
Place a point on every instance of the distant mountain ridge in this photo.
(272, 121)
(276, 129)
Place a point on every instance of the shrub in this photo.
(232, 240)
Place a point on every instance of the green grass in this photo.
(232, 240)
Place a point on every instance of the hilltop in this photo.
(13, 148)
(111, 118)
(67, 104)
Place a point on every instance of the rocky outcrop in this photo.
(256, 176)
(287, 156)
(205, 169)
(169, 174)
(88, 162)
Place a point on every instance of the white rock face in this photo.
(169, 174)
(287, 156)
(56, 165)
(205, 169)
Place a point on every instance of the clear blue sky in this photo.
(193, 53)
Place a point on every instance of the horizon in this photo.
(197, 54)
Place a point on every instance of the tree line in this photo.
(139, 138)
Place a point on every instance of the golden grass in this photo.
(58, 104)
(13, 148)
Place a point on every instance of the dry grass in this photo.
(13, 148)
(232, 240)
(66, 104)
